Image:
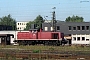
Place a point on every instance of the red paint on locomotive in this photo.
(26, 35)
(39, 37)
(49, 35)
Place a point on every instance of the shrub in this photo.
(51, 49)
(36, 51)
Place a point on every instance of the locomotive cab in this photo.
(55, 36)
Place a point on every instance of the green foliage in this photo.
(51, 48)
(8, 20)
(74, 19)
(28, 25)
(36, 51)
(38, 21)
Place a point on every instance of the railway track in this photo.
(45, 54)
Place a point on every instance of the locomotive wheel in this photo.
(46, 43)
(58, 43)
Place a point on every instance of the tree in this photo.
(74, 19)
(38, 21)
(8, 20)
(28, 25)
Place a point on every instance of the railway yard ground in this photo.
(40, 52)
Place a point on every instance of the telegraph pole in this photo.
(54, 20)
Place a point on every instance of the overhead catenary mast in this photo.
(54, 20)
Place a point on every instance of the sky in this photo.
(28, 10)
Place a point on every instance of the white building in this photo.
(81, 39)
(21, 25)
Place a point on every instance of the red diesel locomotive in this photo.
(34, 37)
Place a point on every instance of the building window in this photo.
(51, 28)
(83, 38)
(70, 28)
(46, 28)
(18, 23)
(22, 23)
(83, 27)
(87, 27)
(58, 27)
(18, 28)
(22, 27)
(87, 39)
(78, 27)
(74, 38)
(78, 38)
(74, 28)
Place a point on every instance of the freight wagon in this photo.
(34, 37)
